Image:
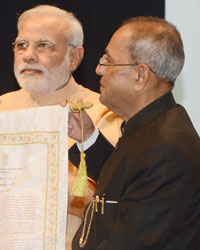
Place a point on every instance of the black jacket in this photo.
(153, 178)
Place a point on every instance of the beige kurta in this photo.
(107, 122)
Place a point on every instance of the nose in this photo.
(30, 55)
(99, 70)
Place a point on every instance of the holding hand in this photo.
(75, 126)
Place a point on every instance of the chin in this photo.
(103, 101)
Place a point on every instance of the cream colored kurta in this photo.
(107, 122)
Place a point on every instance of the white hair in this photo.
(75, 32)
(157, 43)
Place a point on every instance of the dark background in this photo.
(99, 19)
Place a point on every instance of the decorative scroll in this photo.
(33, 179)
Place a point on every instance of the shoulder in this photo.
(14, 100)
(87, 94)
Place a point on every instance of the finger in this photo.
(63, 102)
(85, 115)
(80, 100)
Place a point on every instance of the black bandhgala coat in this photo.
(148, 194)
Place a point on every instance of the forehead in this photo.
(43, 26)
(118, 44)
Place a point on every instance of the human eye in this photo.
(104, 59)
(107, 59)
(44, 45)
(21, 45)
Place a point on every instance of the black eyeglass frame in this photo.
(121, 64)
(118, 64)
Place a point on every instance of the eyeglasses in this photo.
(103, 61)
(44, 47)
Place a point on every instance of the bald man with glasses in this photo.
(148, 193)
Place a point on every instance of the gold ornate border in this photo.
(51, 139)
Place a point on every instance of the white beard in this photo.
(48, 82)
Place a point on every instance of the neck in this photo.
(141, 102)
(55, 97)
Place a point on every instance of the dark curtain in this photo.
(99, 19)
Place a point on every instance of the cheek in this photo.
(115, 80)
(17, 61)
(52, 61)
(111, 92)
(118, 86)
(57, 57)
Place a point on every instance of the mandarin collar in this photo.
(148, 113)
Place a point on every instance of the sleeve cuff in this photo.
(89, 142)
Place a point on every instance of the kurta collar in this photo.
(53, 98)
(150, 112)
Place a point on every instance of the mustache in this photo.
(22, 67)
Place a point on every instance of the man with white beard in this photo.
(48, 48)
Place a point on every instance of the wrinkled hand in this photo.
(74, 124)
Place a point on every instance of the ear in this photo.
(143, 73)
(76, 56)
